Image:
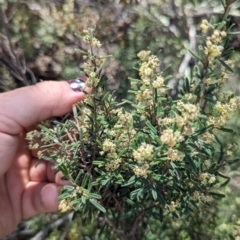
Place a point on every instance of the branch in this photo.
(9, 57)
(187, 58)
(135, 225)
(43, 233)
(192, 46)
(120, 233)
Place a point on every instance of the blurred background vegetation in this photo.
(37, 42)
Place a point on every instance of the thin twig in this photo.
(43, 233)
(8, 54)
(132, 233)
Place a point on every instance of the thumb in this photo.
(23, 107)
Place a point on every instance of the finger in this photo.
(39, 198)
(23, 107)
(44, 171)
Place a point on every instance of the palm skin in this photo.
(27, 190)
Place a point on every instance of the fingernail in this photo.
(78, 84)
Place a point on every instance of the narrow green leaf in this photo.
(83, 199)
(97, 205)
(217, 195)
(98, 163)
(129, 201)
(151, 127)
(122, 152)
(154, 194)
(226, 130)
(94, 195)
(130, 181)
(234, 33)
(85, 180)
(80, 51)
(78, 35)
(225, 65)
(223, 3)
(233, 161)
(195, 54)
(90, 183)
(64, 170)
(225, 182)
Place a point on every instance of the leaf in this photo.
(94, 195)
(98, 163)
(83, 199)
(217, 195)
(90, 183)
(191, 163)
(223, 3)
(226, 130)
(64, 170)
(129, 201)
(233, 33)
(233, 161)
(154, 194)
(78, 35)
(225, 183)
(80, 51)
(187, 85)
(130, 181)
(201, 131)
(151, 127)
(97, 205)
(173, 165)
(225, 65)
(135, 192)
(84, 181)
(122, 152)
(195, 54)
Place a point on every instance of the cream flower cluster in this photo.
(94, 42)
(172, 207)
(147, 70)
(122, 130)
(174, 155)
(141, 171)
(207, 137)
(124, 133)
(109, 146)
(206, 178)
(213, 46)
(188, 111)
(171, 138)
(64, 206)
(223, 112)
(144, 152)
(113, 165)
(158, 83)
(198, 196)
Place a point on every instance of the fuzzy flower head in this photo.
(144, 55)
(88, 38)
(171, 138)
(141, 171)
(109, 146)
(148, 67)
(113, 165)
(205, 25)
(206, 178)
(174, 155)
(189, 111)
(159, 82)
(143, 153)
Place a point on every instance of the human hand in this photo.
(26, 190)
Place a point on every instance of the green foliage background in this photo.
(42, 36)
